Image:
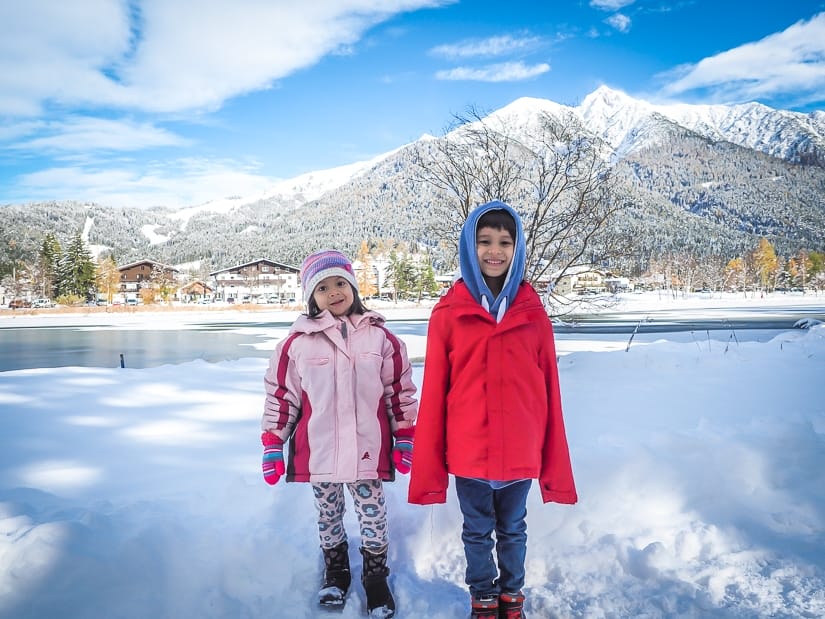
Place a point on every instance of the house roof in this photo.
(147, 261)
(281, 265)
(195, 284)
(577, 270)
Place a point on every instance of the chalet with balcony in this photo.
(258, 281)
(144, 273)
(196, 291)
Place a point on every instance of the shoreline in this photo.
(166, 316)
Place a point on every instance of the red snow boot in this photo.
(484, 606)
(511, 606)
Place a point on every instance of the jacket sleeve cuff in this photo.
(568, 497)
(430, 498)
(268, 439)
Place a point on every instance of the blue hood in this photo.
(471, 272)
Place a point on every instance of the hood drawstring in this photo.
(501, 308)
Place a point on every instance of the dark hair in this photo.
(357, 306)
(498, 219)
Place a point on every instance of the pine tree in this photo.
(76, 271)
(50, 254)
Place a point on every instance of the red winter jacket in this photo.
(490, 404)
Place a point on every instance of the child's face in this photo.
(334, 294)
(494, 249)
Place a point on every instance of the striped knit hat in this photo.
(323, 264)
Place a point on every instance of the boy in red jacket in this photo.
(490, 409)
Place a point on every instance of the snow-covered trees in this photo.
(49, 260)
(76, 271)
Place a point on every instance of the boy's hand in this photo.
(402, 450)
(273, 461)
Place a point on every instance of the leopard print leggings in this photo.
(368, 498)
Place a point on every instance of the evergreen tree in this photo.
(402, 274)
(76, 270)
(426, 278)
(50, 254)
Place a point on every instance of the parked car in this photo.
(42, 303)
(131, 301)
(19, 303)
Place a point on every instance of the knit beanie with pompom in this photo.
(323, 264)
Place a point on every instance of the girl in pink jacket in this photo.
(339, 390)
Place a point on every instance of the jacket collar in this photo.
(462, 303)
(325, 320)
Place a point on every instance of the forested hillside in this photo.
(682, 192)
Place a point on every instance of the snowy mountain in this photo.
(289, 193)
(700, 178)
(617, 118)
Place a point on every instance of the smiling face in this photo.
(494, 248)
(334, 294)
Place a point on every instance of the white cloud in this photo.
(610, 5)
(491, 46)
(501, 72)
(788, 62)
(88, 134)
(174, 183)
(168, 55)
(619, 22)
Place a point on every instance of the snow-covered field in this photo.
(701, 472)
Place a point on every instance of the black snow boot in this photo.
(337, 576)
(380, 603)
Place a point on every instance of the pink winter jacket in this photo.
(338, 396)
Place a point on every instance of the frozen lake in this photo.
(149, 339)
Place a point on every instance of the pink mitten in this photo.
(402, 450)
(273, 462)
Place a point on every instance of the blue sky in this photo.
(146, 102)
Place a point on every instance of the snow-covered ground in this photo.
(132, 494)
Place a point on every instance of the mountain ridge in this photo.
(696, 174)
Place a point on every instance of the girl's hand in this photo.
(273, 460)
(402, 450)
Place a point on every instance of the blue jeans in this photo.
(486, 510)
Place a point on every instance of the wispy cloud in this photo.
(490, 47)
(500, 72)
(91, 134)
(791, 61)
(174, 183)
(619, 21)
(168, 56)
(122, 70)
(611, 5)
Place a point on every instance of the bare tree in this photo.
(555, 176)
